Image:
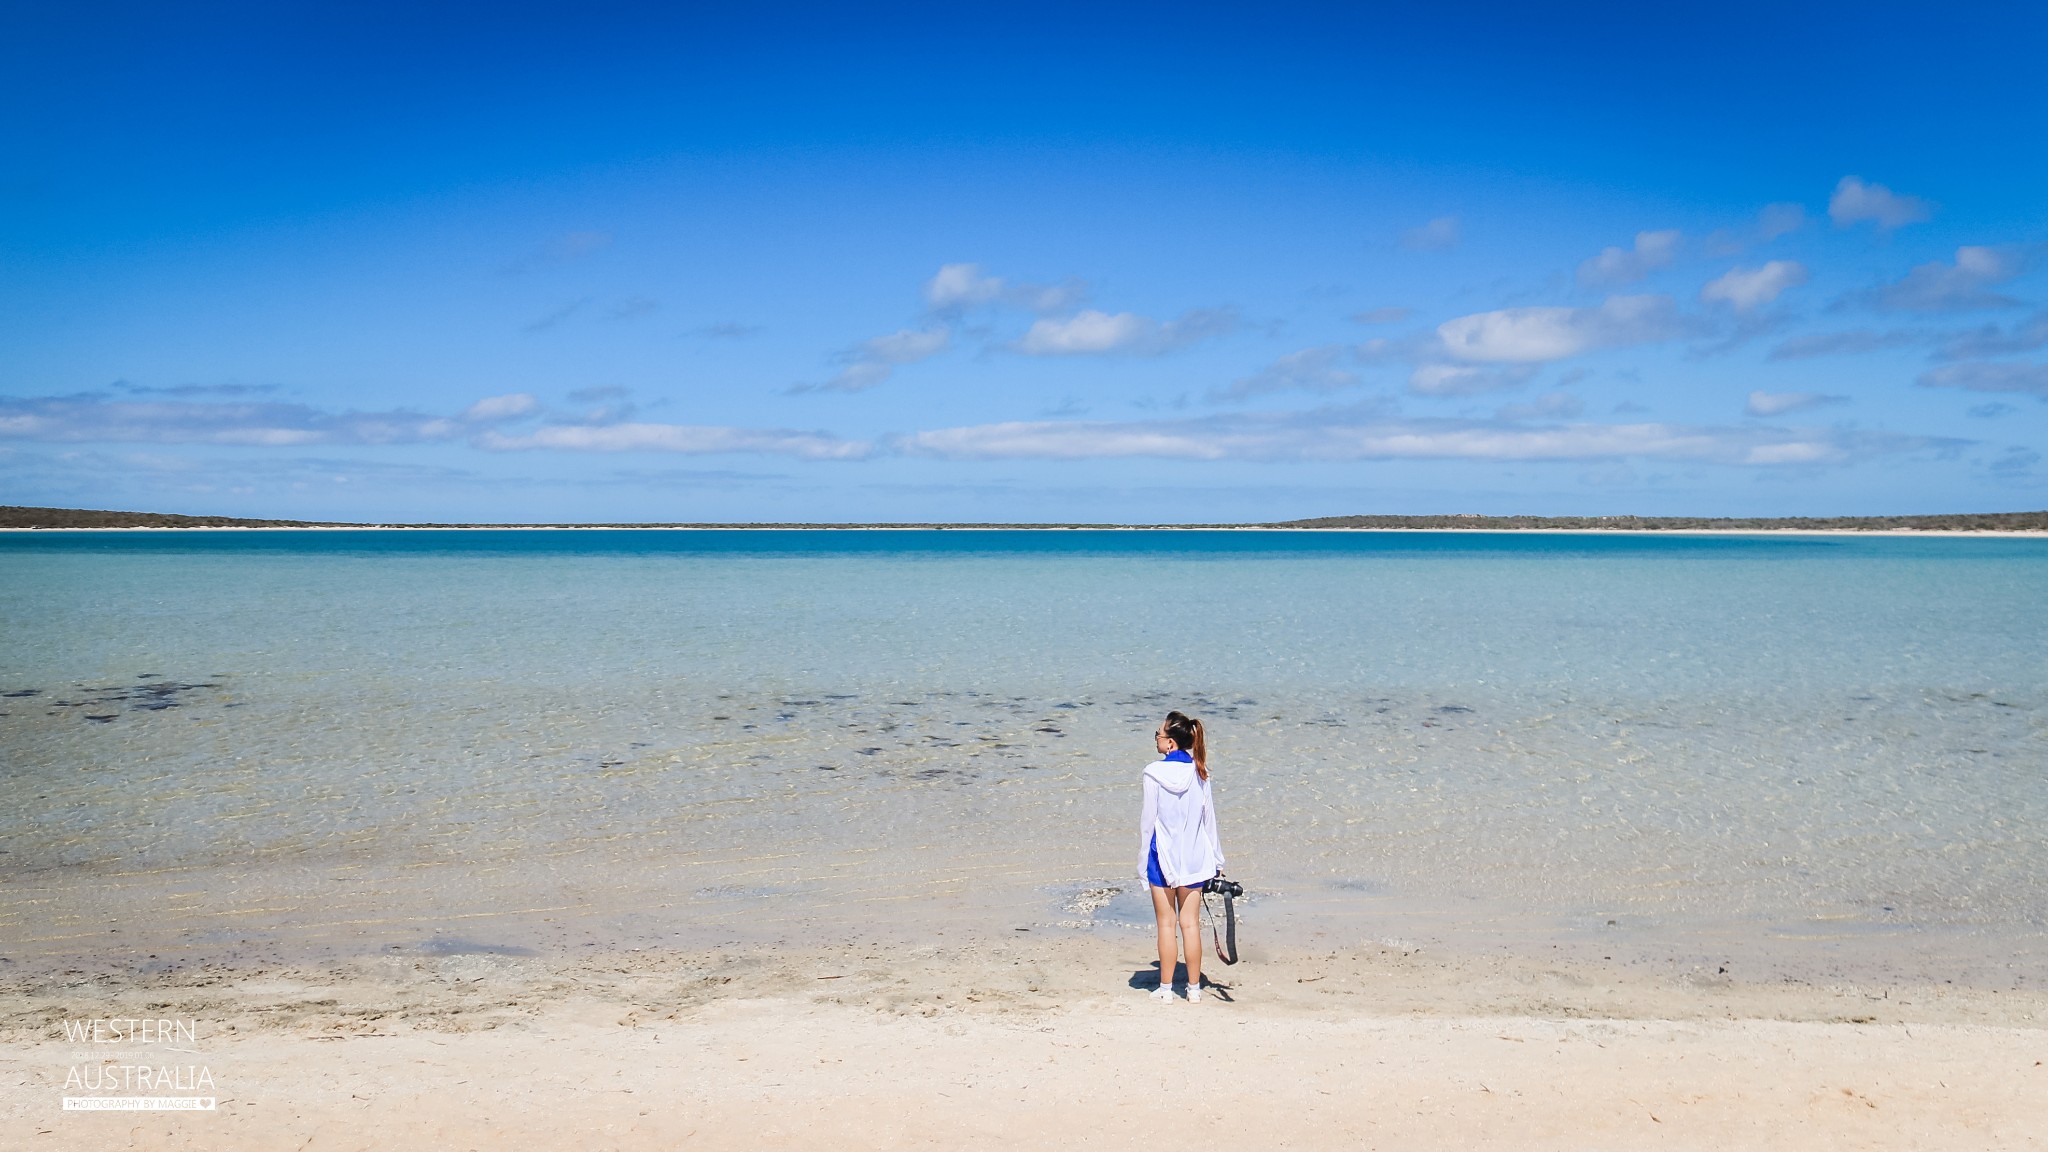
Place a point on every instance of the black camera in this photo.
(1222, 887)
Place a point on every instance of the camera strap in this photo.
(1228, 956)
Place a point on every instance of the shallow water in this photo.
(1809, 748)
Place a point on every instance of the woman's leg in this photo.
(1165, 915)
(1190, 901)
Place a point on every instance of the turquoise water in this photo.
(241, 740)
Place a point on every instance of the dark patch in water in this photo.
(101, 719)
(865, 751)
(456, 946)
(22, 692)
(153, 697)
(1371, 887)
(1450, 709)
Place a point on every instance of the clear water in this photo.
(248, 741)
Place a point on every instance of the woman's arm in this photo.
(1148, 816)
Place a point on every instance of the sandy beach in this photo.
(1024, 1043)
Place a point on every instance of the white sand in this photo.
(1040, 1044)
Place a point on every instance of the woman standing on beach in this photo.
(1178, 850)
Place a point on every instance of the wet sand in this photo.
(1034, 1041)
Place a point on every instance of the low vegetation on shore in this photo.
(23, 517)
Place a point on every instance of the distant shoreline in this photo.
(2004, 524)
(1919, 533)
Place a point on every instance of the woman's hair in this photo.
(1186, 733)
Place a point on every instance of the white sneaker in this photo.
(1194, 993)
(1163, 992)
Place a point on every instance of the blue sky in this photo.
(1023, 263)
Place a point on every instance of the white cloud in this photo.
(1536, 335)
(907, 346)
(1341, 435)
(1993, 340)
(872, 361)
(1855, 201)
(195, 389)
(1773, 221)
(1057, 440)
(1358, 432)
(95, 419)
(557, 316)
(1517, 334)
(1779, 403)
(92, 418)
(1796, 452)
(1777, 220)
(1465, 380)
(1747, 288)
(2016, 467)
(1852, 342)
(1092, 332)
(1549, 406)
(689, 439)
(957, 286)
(852, 378)
(507, 407)
(1439, 235)
(2027, 378)
(725, 330)
(1085, 332)
(1310, 370)
(1653, 250)
(1405, 349)
(1043, 298)
(1964, 284)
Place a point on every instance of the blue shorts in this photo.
(1152, 872)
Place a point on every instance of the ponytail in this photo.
(1186, 733)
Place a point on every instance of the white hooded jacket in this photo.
(1180, 813)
